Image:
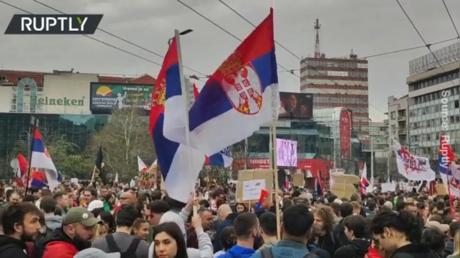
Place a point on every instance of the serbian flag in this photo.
(363, 182)
(141, 165)
(180, 165)
(224, 157)
(446, 163)
(41, 159)
(240, 97)
(263, 195)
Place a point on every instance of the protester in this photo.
(20, 223)
(74, 235)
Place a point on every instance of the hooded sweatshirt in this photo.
(238, 252)
(357, 248)
(52, 222)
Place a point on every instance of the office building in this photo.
(338, 82)
(433, 101)
(397, 119)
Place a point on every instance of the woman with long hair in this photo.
(399, 234)
(169, 241)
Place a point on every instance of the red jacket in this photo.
(60, 249)
(371, 253)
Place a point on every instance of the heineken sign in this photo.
(39, 101)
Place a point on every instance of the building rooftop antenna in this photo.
(317, 28)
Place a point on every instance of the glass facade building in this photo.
(15, 127)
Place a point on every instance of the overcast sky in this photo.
(367, 27)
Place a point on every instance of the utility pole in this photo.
(388, 164)
(372, 162)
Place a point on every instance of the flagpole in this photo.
(275, 171)
(185, 93)
(34, 123)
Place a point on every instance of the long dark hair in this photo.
(173, 230)
(404, 222)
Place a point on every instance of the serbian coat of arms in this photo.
(242, 85)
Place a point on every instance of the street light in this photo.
(182, 33)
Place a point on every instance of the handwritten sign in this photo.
(252, 189)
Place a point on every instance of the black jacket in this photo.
(11, 247)
(227, 222)
(329, 242)
(414, 250)
(339, 231)
(357, 248)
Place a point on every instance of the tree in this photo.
(125, 137)
(67, 161)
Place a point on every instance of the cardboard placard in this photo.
(254, 174)
(441, 189)
(343, 190)
(345, 179)
(343, 184)
(298, 179)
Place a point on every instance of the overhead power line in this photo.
(118, 37)
(428, 46)
(277, 43)
(450, 17)
(228, 32)
(104, 43)
(392, 52)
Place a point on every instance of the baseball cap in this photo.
(231, 197)
(434, 224)
(96, 204)
(80, 215)
(96, 253)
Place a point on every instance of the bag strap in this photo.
(132, 247)
(113, 248)
(267, 252)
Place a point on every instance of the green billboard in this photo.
(111, 96)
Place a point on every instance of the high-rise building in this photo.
(433, 103)
(397, 119)
(338, 82)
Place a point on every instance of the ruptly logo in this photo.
(53, 24)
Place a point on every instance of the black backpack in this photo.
(129, 253)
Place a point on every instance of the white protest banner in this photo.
(412, 167)
(252, 189)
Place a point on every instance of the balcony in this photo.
(402, 131)
(401, 118)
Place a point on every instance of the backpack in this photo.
(129, 253)
(267, 253)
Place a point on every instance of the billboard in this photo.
(286, 151)
(296, 105)
(113, 96)
(345, 133)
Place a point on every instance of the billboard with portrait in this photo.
(113, 96)
(296, 105)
